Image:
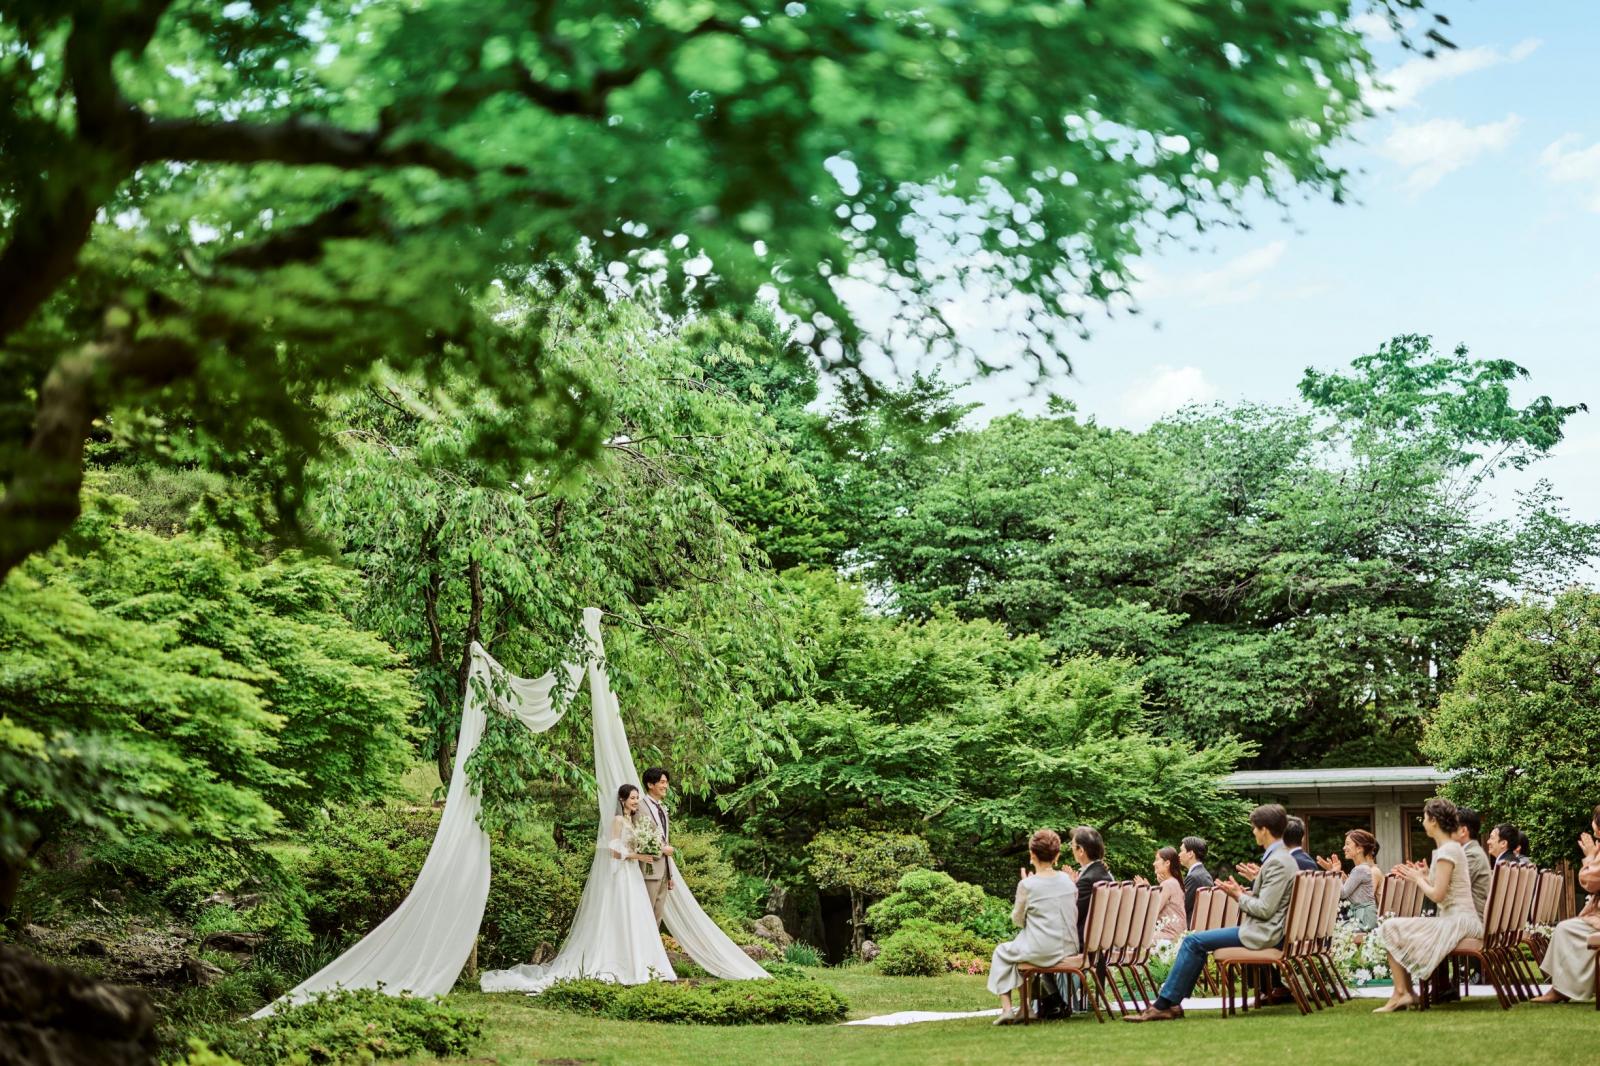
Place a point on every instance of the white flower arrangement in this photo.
(646, 837)
(1362, 957)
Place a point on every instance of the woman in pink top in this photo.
(1170, 923)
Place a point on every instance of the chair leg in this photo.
(1093, 991)
(1025, 995)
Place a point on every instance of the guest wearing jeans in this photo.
(1263, 916)
(1192, 854)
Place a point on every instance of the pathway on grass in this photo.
(914, 1017)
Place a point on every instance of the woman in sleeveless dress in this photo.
(1418, 945)
(1047, 911)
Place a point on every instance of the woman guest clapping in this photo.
(1359, 894)
(1047, 911)
(1170, 921)
(1418, 945)
(1569, 961)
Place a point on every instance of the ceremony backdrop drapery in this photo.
(422, 947)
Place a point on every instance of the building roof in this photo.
(1342, 777)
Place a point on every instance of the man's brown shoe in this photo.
(1156, 1014)
(1274, 997)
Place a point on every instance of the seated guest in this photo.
(1569, 961)
(1479, 868)
(1417, 945)
(1504, 839)
(1046, 909)
(1524, 850)
(1263, 914)
(1294, 838)
(1171, 921)
(1089, 852)
(1192, 853)
(1359, 893)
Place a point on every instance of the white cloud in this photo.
(1432, 149)
(1164, 390)
(1402, 86)
(1567, 163)
(1238, 280)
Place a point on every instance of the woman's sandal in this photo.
(1397, 1005)
(1008, 1017)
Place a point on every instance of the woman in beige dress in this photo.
(1569, 961)
(1417, 945)
(1170, 921)
(1047, 911)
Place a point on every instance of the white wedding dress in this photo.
(422, 947)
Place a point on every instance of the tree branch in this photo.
(42, 499)
(294, 142)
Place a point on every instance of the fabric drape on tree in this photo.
(421, 948)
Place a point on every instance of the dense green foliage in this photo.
(932, 895)
(784, 999)
(350, 1028)
(1520, 722)
(176, 685)
(1302, 578)
(209, 213)
(973, 737)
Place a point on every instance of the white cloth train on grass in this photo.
(421, 948)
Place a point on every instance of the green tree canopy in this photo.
(173, 685)
(211, 213)
(1521, 721)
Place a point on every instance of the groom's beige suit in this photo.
(658, 875)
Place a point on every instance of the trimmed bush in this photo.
(929, 894)
(786, 970)
(357, 1026)
(781, 1000)
(913, 952)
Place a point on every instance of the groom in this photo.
(658, 875)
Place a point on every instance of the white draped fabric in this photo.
(422, 947)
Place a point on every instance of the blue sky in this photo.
(1476, 219)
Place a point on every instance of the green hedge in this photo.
(921, 948)
(359, 1026)
(784, 999)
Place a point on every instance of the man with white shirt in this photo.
(658, 875)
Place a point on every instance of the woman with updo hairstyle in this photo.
(1418, 945)
(1360, 891)
(622, 826)
(1047, 911)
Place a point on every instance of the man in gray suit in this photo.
(1263, 916)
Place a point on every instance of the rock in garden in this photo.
(770, 928)
(91, 948)
(51, 1016)
(202, 973)
(237, 943)
(869, 950)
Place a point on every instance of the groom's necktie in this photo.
(661, 818)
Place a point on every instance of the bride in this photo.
(614, 934)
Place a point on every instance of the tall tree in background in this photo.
(211, 213)
(455, 550)
(1303, 579)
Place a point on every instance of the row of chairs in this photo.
(1117, 938)
(1304, 962)
(1518, 894)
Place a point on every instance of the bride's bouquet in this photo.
(647, 837)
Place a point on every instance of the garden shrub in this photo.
(784, 999)
(928, 894)
(583, 995)
(788, 971)
(802, 955)
(356, 1026)
(913, 952)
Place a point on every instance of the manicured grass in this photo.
(522, 1034)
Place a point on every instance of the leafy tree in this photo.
(1302, 578)
(1521, 718)
(455, 550)
(865, 864)
(173, 686)
(972, 739)
(211, 214)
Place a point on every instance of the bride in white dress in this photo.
(614, 934)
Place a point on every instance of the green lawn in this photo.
(523, 1034)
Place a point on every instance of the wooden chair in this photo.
(1505, 914)
(1401, 898)
(1594, 945)
(1128, 960)
(1321, 972)
(1098, 928)
(1546, 911)
(1213, 909)
(1244, 963)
